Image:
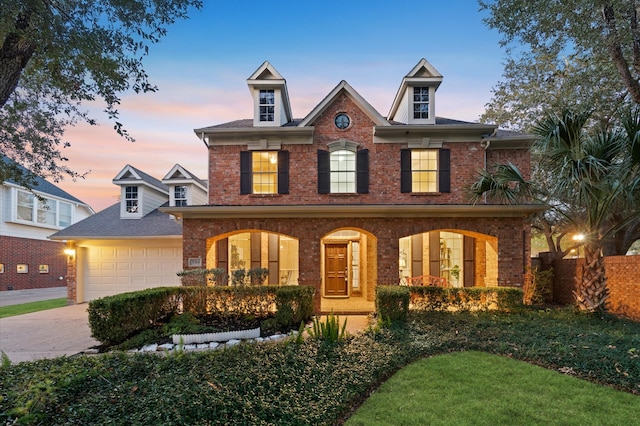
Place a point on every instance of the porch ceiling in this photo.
(360, 210)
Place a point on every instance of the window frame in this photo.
(247, 175)
(183, 199)
(43, 211)
(266, 105)
(130, 202)
(419, 101)
(336, 184)
(443, 172)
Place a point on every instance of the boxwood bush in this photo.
(114, 319)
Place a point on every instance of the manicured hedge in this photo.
(113, 319)
(465, 298)
(394, 302)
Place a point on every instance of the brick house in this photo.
(346, 199)
(28, 259)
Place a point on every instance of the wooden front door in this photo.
(336, 276)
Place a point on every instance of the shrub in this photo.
(230, 303)
(294, 304)
(465, 298)
(257, 276)
(113, 319)
(204, 277)
(392, 302)
(539, 289)
(238, 276)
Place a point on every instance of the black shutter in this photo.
(283, 172)
(362, 171)
(245, 172)
(405, 170)
(324, 185)
(444, 169)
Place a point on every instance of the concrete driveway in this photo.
(46, 334)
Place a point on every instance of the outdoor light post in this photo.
(579, 239)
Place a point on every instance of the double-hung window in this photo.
(180, 195)
(264, 172)
(425, 170)
(131, 199)
(267, 104)
(420, 102)
(343, 169)
(42, 211)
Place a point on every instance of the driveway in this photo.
(46, 334)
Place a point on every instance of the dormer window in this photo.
(180, 195)
(420, 103)
(267, 105)
(131, 199)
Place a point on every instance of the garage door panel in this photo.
(114, 270)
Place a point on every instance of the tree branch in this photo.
(15, 53)
(613, 40)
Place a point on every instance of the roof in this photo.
(130, 173)
(107, 224)
(41, 184)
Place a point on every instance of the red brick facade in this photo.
(33, 253)
(623, 281)
(500, 237)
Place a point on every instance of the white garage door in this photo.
(114, 270)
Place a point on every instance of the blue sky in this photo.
(201, 68)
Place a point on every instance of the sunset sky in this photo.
(201, 68)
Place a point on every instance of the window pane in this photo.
(424, 170)
(131, 199)
(420, 102)
(25, 206)
(47, 212)
(343, 171)
(64, 214)
(265, 172)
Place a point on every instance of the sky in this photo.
(200, 68)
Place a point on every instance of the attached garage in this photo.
(108, 268)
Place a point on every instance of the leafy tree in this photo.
(596, 187)
(577, 47)
(56, 56)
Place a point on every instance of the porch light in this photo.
(578, 238)
(70, 252)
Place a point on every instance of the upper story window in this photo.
(131, 199)
(42, 211)
(420, 102)
(180, 195)
(425, 170)
(264, 172)
(267, 105)
(343, 171)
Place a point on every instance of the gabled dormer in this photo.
(271, 107)
(415, 101)
(140, 193)
(185, 189)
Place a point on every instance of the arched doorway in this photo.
(348, 269)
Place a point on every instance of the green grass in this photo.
(25, 308)
(319, 383)
(475, 388)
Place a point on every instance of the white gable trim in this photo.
(343, 86)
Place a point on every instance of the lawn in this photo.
(290, 383)
(476, 388)
(25, 308)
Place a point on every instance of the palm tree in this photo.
(595, 178)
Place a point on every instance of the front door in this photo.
(336, 272)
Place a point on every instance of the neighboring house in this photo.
(28, 260)
(346, 199)
(131, 245)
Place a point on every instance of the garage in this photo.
(124, 266)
